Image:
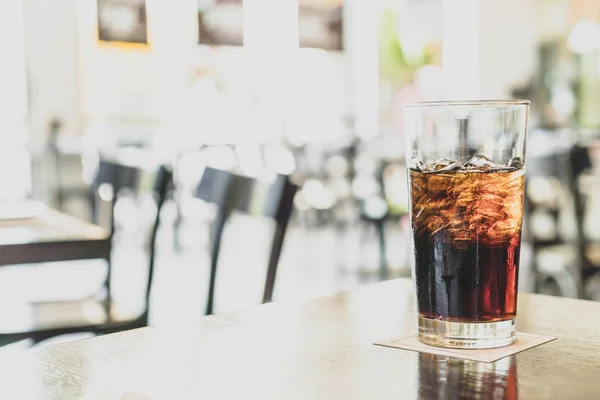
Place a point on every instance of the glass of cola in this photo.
(466, 163)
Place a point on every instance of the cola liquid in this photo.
(466, 223)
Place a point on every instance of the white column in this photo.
(271, 41)
(173, 37)
(15, 161)
(271, 53)
(488, 47)
(13, 96)
(460, 48)
(52, 64)
(507, 45)
(361, 39)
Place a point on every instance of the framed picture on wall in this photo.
(122, 21)
(320, 24)
(221, 22)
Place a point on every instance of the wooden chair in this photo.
(90, 315)
(565, 165)
(231, 192)
(120, 177)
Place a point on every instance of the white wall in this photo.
(116, 80)
(13, 79)
(52, 65)
(82, 81)
(488, 46)
(362, 45)
(460, 49)
(487, 49)
(15, 174)
(139, 87)
(73, 77)
(507, 45)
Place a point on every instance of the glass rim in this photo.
(468, 103)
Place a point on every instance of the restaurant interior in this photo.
(165, 160)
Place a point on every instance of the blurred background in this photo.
(311, 90)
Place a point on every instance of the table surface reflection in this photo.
(321, 349)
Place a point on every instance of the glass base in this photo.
(466, 335)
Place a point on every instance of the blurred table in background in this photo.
(48, 235)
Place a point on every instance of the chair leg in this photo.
(383, 268)
(216, 247)
(60, 199)
(113, 202)
(177, 224)
(108, 302)
(93, 203)
(273, 262)
(152, 256)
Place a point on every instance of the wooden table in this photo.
(317, 350)
(52, 236)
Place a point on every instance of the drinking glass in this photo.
(466, 163)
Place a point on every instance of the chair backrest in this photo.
(120, 176)
(241, 193)
(136, 178)
(231, 192)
